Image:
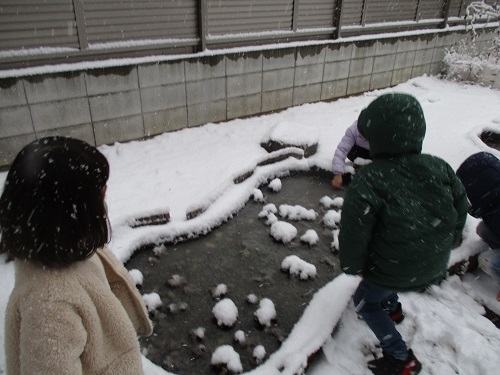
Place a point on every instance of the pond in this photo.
(243, 256)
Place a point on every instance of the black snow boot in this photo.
(388, 365)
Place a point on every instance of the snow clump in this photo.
(268, 209)
(199, 333)
(226, 355)
(275, 185)
(299, 267)
(360, 161)
(328, 202)
(158, 250)
(152, 301)
(239, 337)
(257, 195)
(252, 298)
(332, 218)
(259, 352)
(335, 243)
(271, 219)
(266, 312)
(283, 231)
(297, 212)
(226, 312)
(136, 276)
(175, 281)
(310, 237)
(219, 290)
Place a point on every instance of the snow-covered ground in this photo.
(192, 169)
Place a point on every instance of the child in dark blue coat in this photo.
(480, 175)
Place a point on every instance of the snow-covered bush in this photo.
(467, 61)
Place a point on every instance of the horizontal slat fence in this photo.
(52, 31)
(32, 23)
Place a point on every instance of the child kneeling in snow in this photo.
(480, 174)
(401, 217)
(352, 146)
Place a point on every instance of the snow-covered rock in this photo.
(299, 267)
(271, 219)
(198, 333)
(252, 298)
(239, 337)
(175, 280)
(275, 185)
(310, 237)
(297, 212)
(137, 276)
(152, 301)
(283, 231)
(219, 291)
(335, 242)
(332, 218)
(259, 353)
(227, 356)
(257, 195)
(225, 312)
(266, 312)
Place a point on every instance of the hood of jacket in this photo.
(393, 124)
(480, 174)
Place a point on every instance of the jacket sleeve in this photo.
(52, 339)
(460, 202)
(359, 216)
(345, 145)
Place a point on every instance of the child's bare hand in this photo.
(337, 181)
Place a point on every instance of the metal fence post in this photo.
(203, 24)
(295, 16)
(337, 16)
(363, 12)
(446, 11)
(80, 24)
(417, 12)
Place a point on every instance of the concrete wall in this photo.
(110, 105)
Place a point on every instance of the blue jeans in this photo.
(489, 261)
(370, 302)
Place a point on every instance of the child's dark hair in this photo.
(52, 208)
